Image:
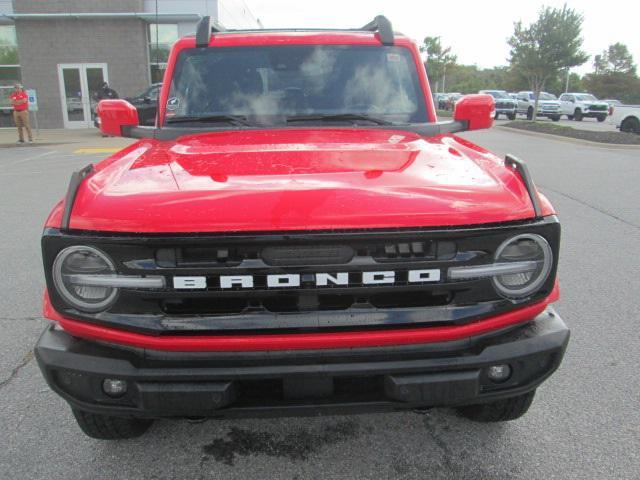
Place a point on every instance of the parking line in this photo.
(96, 150)
(22, 160)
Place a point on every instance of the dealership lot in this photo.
(586, 124)
(584, 422)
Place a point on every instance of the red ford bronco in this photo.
(298, 234)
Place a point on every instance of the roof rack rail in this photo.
(204, 29)
(382, 25)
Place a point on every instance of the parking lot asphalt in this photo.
(584, 423)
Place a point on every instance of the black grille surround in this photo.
(308, 307)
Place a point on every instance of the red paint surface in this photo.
(297, 341)
(297, 179)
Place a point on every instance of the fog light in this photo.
(114, 387)
(499, 373)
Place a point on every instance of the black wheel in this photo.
(555, 118)
(530, 113)
(511, 116)
(577, 115)
(570, 117)
(105, 427)
(630, 125)
(496, 116)
(499, 411)
(602, 118)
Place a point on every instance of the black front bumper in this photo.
(178, 384)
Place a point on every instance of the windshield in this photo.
(498, 94)
(588, 98)
(297, 80)
(543, 96)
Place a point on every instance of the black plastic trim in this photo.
(382, 25)
(172, 133)
(76, 180)
(451, 302)
(535, 349)
(203, 32)
(521, 167)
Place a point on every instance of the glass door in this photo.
(79, 85)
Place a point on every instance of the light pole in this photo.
(444, 76)
(566, 85)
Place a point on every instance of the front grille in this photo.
(505, 105)
(357, 262)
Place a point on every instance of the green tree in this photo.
(614, 75)
(548, 46)
(615, 59)
(438, 59)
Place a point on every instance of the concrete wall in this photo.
(77, 6)
(45, 43)
(120, 43)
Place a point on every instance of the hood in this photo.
(549, 102)
(298, 179)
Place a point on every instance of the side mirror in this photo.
(116, 114)
(477, 111)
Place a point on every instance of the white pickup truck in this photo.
(577, 106)
(626, 118)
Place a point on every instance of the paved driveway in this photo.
(584, 423)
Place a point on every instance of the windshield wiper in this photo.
(232, 119)
(338, 117)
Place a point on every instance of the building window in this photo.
(161, 38)
(9, 71)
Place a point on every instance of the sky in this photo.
(477, 31)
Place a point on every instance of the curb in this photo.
(560, 138)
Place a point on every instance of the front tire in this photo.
(499, 411)
(511, 116)
(104, 427)
(496, 116)
(577, 115)
(602, 118)
(530, 114)
(555, 118)
(630, 125)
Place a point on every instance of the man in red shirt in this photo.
(20, 101)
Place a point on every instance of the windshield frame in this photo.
(424, 105)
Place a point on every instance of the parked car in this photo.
(340, 250)
(452, 99)
(146, 104)
(505, 105)
(626, 118)
(440, 99)
(577, 106)
(548, 105)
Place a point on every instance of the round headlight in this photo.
(529, 249)
(75, 261)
